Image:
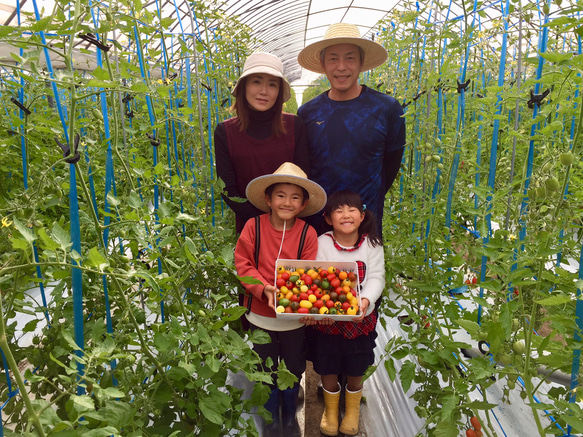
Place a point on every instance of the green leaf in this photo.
(559, 299)
(468, 325)
(390, 368)
(48, 242)
(182, 217)
(445, 429)
(61, 236)
(481, 405)
(212, 362)
(449, 404)
(100, 73)
(407, 374)
(211, 410)
(285, 379)
(17, 58)
(112, 200)
(259, 336)
(96, 259)
(97, 83)
(140, 88)
(24, 231)
(249, 280)
(557, 57)
(41, 25)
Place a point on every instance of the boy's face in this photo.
(286, 201)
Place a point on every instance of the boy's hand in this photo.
(363, 308)
(269, 292)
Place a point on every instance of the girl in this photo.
(261, 137)
(347, 347)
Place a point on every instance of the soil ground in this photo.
(314, 405)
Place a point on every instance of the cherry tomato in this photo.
(476, 423)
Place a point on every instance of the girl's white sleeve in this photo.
(375, 275)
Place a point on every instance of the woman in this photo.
(261, 137)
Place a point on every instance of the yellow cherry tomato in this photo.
(304, 288)
(346, 283)
(289, 294)
(280, 269)
(301, 271)
(352, 310)
(280, 295)
(349, 296)
(331, 269)
(325, 297)
(280, 309)
(306, 304)
(323, 310)
(312, 298)
(284, 289)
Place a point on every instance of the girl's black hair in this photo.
(352, 198)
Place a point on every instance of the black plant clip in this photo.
(155, 142)
(206, 86)
(92, 39)
(20, 105)
(129, 114)
(419, 95)
(126, 98)
(537, 99)
(405, 104)
(67, 152)
(463, 86)
(172, 76)
(224, 102)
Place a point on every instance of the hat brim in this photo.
(374, 53)
(262, 69)
(255, 192)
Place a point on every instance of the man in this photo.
(356, 135)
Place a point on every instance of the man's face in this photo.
(342, 65)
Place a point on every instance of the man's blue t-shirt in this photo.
(352, 142)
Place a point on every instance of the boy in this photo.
(286, 195)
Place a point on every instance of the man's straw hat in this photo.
(342, 33)
(268, 64)
(287, 173)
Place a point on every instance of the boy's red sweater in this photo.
(269, 248)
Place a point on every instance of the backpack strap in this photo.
(302, 240)
(257, 244)
(257, 240)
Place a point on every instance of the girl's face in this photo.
(261, 91)
(345, 220)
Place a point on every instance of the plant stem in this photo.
(17, 376)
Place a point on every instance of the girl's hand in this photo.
(308, 321)
(269, 292)
(327, 321)
(363, 309)
(312, 321)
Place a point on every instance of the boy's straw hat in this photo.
(268, 64)
(342, 33)
(287, 173)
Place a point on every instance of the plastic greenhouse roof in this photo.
(283, 27)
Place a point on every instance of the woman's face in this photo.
(261, 91)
